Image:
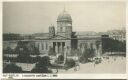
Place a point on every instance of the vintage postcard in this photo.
(73, 37)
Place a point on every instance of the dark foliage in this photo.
(74, 40)
(37, 59)
(8, 50)
(42, 69)
(25, 49)
(42, 65)
(10, 59)
(51, 52)
(45, 61)
(12, 68)
(88, 53)
(69, 63)
(24, 59)
(12, 36)
(111, 45)
(60, 59)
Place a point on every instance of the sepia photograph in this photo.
(73, 37)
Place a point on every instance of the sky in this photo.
(36, 17)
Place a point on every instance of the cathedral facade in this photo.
(64, 39)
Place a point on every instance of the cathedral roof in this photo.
(59, 37)
(64, 16)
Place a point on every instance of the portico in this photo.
(58, 47)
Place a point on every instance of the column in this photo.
(65, 54)
(58, 47)
(82, 48)
(100, 49)
(40, 46)
(44, 43)
(55, 47)
(96, 50)
(61, 47)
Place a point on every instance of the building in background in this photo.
(64, 39)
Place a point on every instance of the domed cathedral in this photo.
(64, 41)
(64, 24)
(60, 41)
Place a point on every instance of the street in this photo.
(112, 65)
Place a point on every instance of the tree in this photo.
(51, 52)
(111, 45)
(12, 68)
(25, 49)
(88, 53)
(60, 59)
(42, 65)
(12, 36)
(8, 50)
(69, 63)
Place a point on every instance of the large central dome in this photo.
(64, 16)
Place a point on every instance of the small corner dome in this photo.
(64, 16)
